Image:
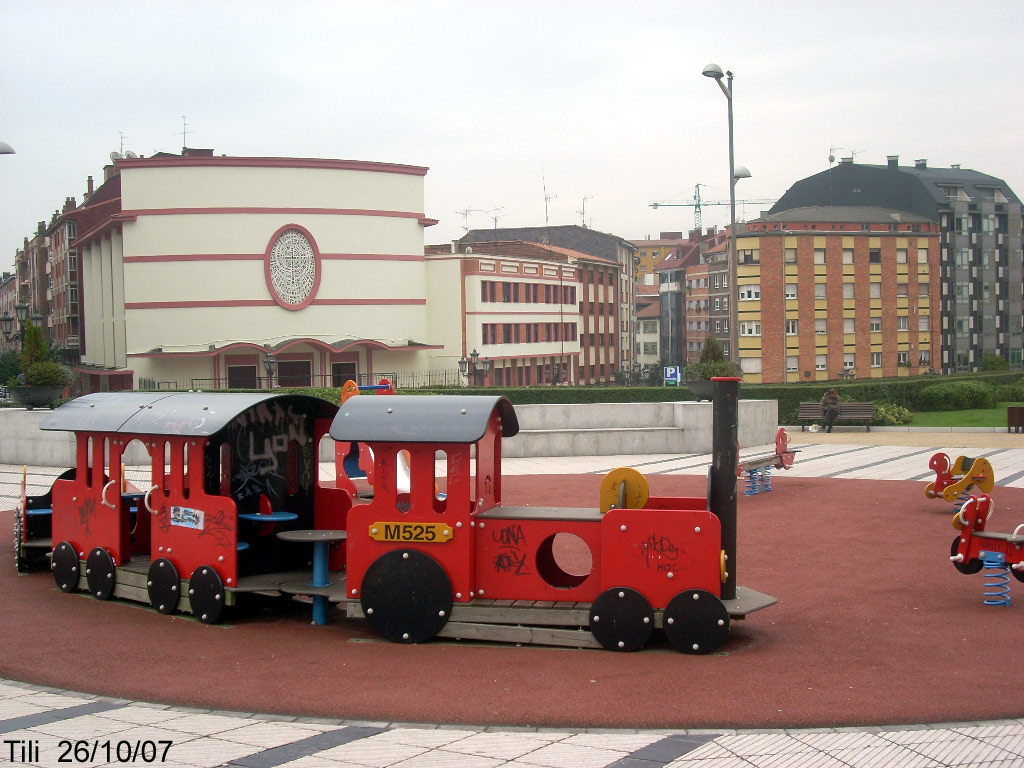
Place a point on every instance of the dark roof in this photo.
(853, 214)
(683, 256)
(429, 419)
(177, 413)
(571, 236)
(900, 188)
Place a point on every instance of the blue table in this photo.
(273, 517)
(321, 540)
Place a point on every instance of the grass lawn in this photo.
(976, 417)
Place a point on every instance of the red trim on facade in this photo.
(273, 162)
(227, 210)
(267, 303)
(102, 372)
(101, 229)
(261, 256)
(317, 268)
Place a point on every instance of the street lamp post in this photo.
(715, 72)
(474, 368)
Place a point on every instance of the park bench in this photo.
(847, 412)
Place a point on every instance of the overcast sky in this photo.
(603, 100)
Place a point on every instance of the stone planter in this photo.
(30, 397)
(702, 389)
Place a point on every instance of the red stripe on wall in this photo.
(260, 257)
(261, 210)
(265, 303)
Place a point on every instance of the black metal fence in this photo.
(401, 380)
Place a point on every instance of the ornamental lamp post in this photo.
(270, 365)
(474, 368)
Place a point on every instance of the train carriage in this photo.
(227, 471)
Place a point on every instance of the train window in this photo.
(185, 450)
(564, 560)
(440, 481)
(225, 469)
(88, 474)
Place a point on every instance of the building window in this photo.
(901, 256)
(848, 290)
(901, 289)
(790, 256)
(848, 325)
(902, 323)
(875, 256)
(926, 357)
(876, 359)
(790, 290)
(650, 348)
(725, 303)
(922, 289)
(792, 363)
(750, 256)
(821, 362)
(847, 255)
(819, 255)
(820, 326)
(750, 364)
(750, 292)
(876, 325)
(848, 361)
(875, 290)
(791, 327)
(819, 290)
(923, 323)
(718, 304)
(903, 358)
(922, 255)
(750, 328)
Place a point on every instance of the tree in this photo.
(712, 351)
(993, 362)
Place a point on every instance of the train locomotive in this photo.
(432, 552)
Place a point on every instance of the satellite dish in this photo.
(114, 156)
(131, 155)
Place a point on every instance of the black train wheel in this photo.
(406, 596)
(65, 567)
(621, 619)
(206, 594)
(100, 572)
(696, 621)
(971, 566)
(164, 586)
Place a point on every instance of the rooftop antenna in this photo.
(184, 134)
(547, 197)
(123, 137)
(465, 216)
(583, 211)
(495, 215)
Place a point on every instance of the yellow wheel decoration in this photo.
(725, 572)
(624, 488)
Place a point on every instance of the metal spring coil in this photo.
(753, 482)
(999, 574)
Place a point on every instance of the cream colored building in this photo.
(213, 263)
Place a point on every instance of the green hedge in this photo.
(905, 391)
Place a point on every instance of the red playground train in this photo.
(235, 500)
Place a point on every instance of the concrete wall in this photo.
(598, 429)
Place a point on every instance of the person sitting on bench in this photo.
(830, 407)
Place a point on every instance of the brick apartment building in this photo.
(981, 263)
(829, 292)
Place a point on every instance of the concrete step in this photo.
(597, 441)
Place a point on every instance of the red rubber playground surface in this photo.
(873, 626)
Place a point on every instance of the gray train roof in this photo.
(427, 419)
(166, 413)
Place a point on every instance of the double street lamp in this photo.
(474, 368)
(715, 72)
(18, 334)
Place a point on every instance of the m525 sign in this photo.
(423, 533)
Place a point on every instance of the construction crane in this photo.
(697, 203)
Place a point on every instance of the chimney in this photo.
(955, 166)
(920, 163)
(88, 188)
(894, 161)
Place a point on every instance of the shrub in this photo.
(48, 374)
(890, 414)
(993, 362)
(705, 370)
(956, 395)
(712, 351)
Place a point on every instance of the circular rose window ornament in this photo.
(292, 267)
